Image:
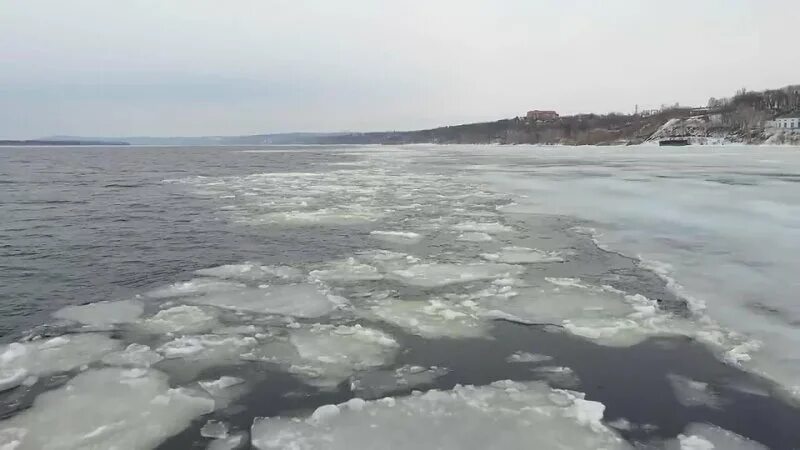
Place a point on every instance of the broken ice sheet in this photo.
(442, 274)
(505, 415)
(49, 356)
(181, 319)
(325, 355)
(526, 357)
(703, 436)
(102, 313)
(523, 255)
(378, 383)
(433, 318)
(693, 393)
(103, 409)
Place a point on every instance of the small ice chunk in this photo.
(49, 356)
(102, 313)
(558, 376)
(398, 237)
(215, 387)
(482, 227)
(103, 409)
(692, 393)
(324, 413)
(325, 355)
(197, 286)
(523, 255)
(378, 383)
(525, 357)
(504, 415)
(347, 271)
(250, 272)
(433, 318)
(474, 237)
(298, 300)
(232, 442)
(135, 355)
(210, 347)
(434, 275)
(181, 319)
(214, 429)
(703, 436)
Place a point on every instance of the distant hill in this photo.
(740, 118)
(60, 142)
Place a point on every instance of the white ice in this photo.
(50, 356)
(180, 320)
(348, 270)
(526, 357)
(377, 383)
(325, 355)
(105, 409)
(197, 286)
(397, 237)
(721, 224)
(482, 227)
(474, 237)
(102, 313)
(442, 274)
(299, 300)
(250, 272)
(693, 393)
(433, 318)
(134, 355)
(505, 415)
(208, 347)
(702, 436)
(523, 255)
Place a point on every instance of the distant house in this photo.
(542, 115)
(789, 121)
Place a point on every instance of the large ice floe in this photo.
(505, 414)
(702, 436)
(19, 361)
(325, 355)
(299, 300)
(105, 409)
(442, 274)
(102, 313)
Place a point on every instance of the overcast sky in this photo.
(203, 67)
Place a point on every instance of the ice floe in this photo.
(299, 300)
(49, 356)
(208, 347)
(102, 313)
(181, 319)
(134, 355)
(250, 272)
(433, 318)
(398, 237)
(197, 286)
(523, 255)
(702, 436)
(475, 236)
(104, 409)
(442, 274)
(693, 393)
(326, 355)
(526, 357)
(347, 270)
(482, 227)
(375, 384)
(504, 415)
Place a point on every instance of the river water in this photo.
(471, 296)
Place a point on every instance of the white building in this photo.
(785, 122)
